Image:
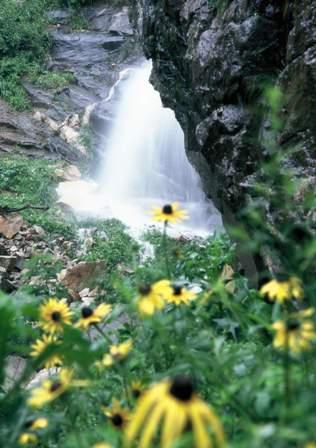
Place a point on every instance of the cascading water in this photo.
(145, 163)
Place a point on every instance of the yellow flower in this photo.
(179, 294)
(174, 403)
(106, 361)
(310, 445)
(296, 333)
(38, 423)
(280, 291)
(27, 438)
(50, 390)
(40, 345)
(152, 297)
(136, 389)
(117, 353)
(117, 415)
(169, 213)
(54, 314)
(90, 316)
(120, 351)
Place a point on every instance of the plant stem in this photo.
(106, 337)
(287, 374)
(165, 249)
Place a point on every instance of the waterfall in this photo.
(145, 163)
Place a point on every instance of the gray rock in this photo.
(7, 263)
(120, 23)
(14, 368)
(207, 61)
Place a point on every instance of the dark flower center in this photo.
(144, 289)
(56, 316)
(55, 386)
(293, 324)
(167, 209)
(136, 393)
(28, 423)
(86, 312)
(177, 290)
(182, 388)
(282, 277)
(117, 420)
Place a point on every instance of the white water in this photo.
(145, 163)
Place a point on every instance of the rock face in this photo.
(94, 57)
(210, 59)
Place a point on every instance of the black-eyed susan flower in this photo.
(179, 294)
(310, 445)
(136, 389)
(27, 438)
(173, 405)
(152, 297)
(120, 351)
(40, 345)
(52, 389)
(296, 333)
(91, 316)
(117, 415)
(117, 353)
(54, 314)
(35, 424)
(281, 291)
(169, 213)
(30, 426)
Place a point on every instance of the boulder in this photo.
(81, 276)
(10, 225)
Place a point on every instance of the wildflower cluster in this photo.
(196, 360)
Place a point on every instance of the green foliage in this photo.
(193, 259)
(32, 181)
(223, 337)
(23, 41)
(24, 45)
(110, 243)
(22, 29)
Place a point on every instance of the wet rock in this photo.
(10, 224)
(208, 64)
(120, 23)
(81, 276)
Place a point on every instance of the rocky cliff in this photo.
(62, 119)
(211, 61)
